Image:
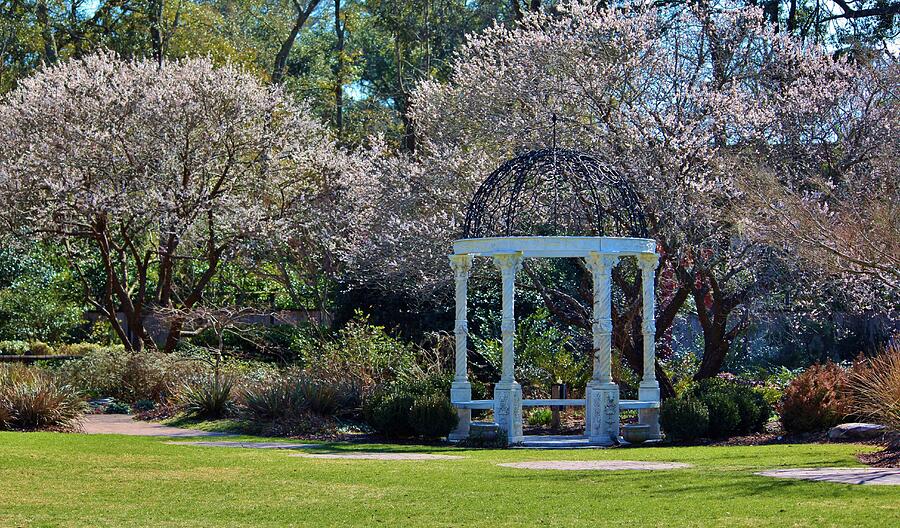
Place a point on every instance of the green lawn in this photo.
(51, 479)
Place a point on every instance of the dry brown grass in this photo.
(875, 386)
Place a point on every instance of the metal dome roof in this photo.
(555, 192)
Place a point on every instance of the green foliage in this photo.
(79, 349)
(724, 415)
(125, 376)
(540, 417)
(359, 358)
(280, 399)
(389, 409)
(13, 348)
(544, 354)
(39, 348)
(734, 408)
(432, 416)
(208, 396)
(38, 296)
(33, 399)
(816, 399)
(288, 399)
(389, 414)
(144, 405)
(117, 407)
(684, 419)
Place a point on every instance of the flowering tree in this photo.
(153, 177)
(680, 100)
(838, 205)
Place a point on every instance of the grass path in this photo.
(51, 479)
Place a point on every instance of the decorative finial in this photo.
(553, 120)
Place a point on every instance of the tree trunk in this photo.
(50, 52)
(339, 30)
(303, 14)
(156, 29)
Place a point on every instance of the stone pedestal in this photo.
(602, 413)
(508, 410)
(461, 391)
(649, 391)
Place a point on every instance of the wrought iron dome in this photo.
(555, 192)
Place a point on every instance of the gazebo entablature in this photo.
(602, 402)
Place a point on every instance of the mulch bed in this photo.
(886, 458)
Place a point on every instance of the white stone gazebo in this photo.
(546, 189)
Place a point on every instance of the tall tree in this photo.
(155, 175)
(673, 100)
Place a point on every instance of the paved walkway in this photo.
(883, 476)
(124, 424)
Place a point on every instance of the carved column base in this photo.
(508, 410)
(649, 391)
(461, 391)
(602, 413)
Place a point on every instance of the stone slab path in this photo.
(248, 445)
(124, 424)
(379, 456)
(596, 465)
(869, 476)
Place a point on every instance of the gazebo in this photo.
(557, 203)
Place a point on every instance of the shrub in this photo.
(362, 357)
(875, 387)
(129, 377)
(117, 407)
(539, 417)
(816, 399)
(79, 349)
(5, 415)
(32, 399)
(432, 416)
(208, 396)
(684, 419)
(144, 405)
(288, 396)
(389, 414)
(752, 410)
(39, 348)
(724, 415)
(13, 348)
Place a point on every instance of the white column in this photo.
(508, 393)
(649, 387)
(601, 394)
(461, 389)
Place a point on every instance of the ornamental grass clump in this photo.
(209, 396)
(31, 399)
(875, 388)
